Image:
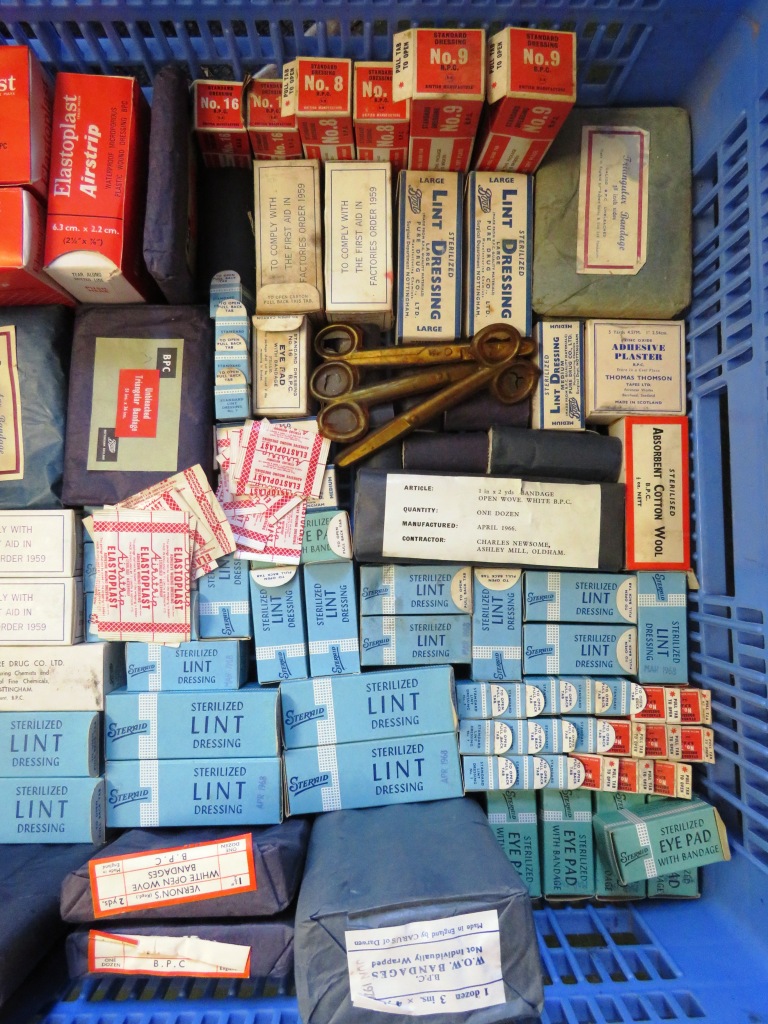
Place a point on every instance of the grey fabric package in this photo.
(278, 858)
(171, 219)
(140, 399)
(271, 942)
(404, 866)
(43, 337)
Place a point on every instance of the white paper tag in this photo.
(449, 965)
(485, 519)
(184, 955)
(612, 234)
(11, 438)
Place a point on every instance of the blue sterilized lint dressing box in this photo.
(334, 645)
(415, 589)
(497, 625)
(224, 601)
(661, 627)
(580, 597)
(187, 667)
(279, 624)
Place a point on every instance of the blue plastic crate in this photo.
(705, 961)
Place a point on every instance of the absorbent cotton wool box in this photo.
(598, 650)
(382, 125)
(497, 624)
(372, 773)
(219, 123)
(23, 282)
(331, 609)
(41, 612)
(662, 628)
(52, 810)
(272, 136)
(415, 639)
(318, 92)
(607, 885)
(499, 229)
(26, 99)
(415, 589)
(358, 243)
(230, 791)
(63, 679)
(580, 597)
(281, 362)
(187, 667)
(513, 821)
(485, 773)
(279, 624)
(429, 256)
(66, 743)
(289, 254)
(224, 601)
(559, 400)
(501, 736)
(498, 700)
(327, 537)
(382, 705)
(565, 831)
(45, 543)
(141, 726)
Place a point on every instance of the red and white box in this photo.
(673, 778)
(663, 741)
(697, 744)
(662, 705)
(635, 775)
(317, 91)
(97, 189)
(23, 282)
(695, 706)
(600, 773)
(531, 90)
(217, 118)
(382, 126)
(273, 137)
(26, 102)
(442, 73)
(630, 738)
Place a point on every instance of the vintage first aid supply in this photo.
(224, 602)
(75, 678)
(634, 368)
(414, 590)
(559, 736)
(52, 810)
(97, 189)
(498, 700)
(531, 90)
(219, 123)
(67, 743)
(629, 739)
(497, 624)
(565, 830)
(578, 695)
(45, 543)
(329, 493)
(442, 73)
(580, 597)
(678, 885)
(662, 704)
(601, 773)
(22, 278)
(279, 624)
(496, 772)
(655, 470)
(25, 114)
(512, 818)
(662, 628)
(500, 736)
(331, 610)
(559, 400)
(564, 772)
(672, 779)
(358, 243)
(382, 125)
(327, 537)
(41, 612)
(695, 706)
(289, 254)
(317, 91)
(227, 285)
(607, 886)
(499, 231)
(272, 136)
(597, 650)
(593, 735)
(636, 775)
(415, 639)
(192, 666)
(281, 362)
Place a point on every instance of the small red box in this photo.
(23, 282)
(382, 126)
(273, 137)
(219, 125)
(318, 93)
(26, 100)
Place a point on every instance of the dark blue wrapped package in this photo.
(171, 222)
(33, 404)
(414, 906)
(278, 859)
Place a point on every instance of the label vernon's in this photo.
(492, 520)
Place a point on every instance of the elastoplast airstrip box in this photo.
(372, 773)
(26, 99)
(230, 791)
(94, 230)
(326, 537)
(513, 820)
(483, 774)
(500, 736)
(279, 624)
(497, 624)
(331, 608)
(565, 832)
(499, 229)
(52, 810)
(497, 700)
(224, 601)
(580, 597)
(66, 743)
(553, 648)
(559, 400)
(272, 136)
(661, 627)
(41, 612)
(318, 92)
(63, 679)
(415, 639)
(415, 590)
(384, 705)
(607, 885)
(186, 667)
(23, 282)
(219, 123)
(382, 125)
(281, 363)
(40, 543)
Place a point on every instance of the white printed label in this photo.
(612, 235)
(482, 519)
(449, 965)
(11, 439)
(184, 955)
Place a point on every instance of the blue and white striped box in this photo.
(580, 597)
(224, 601)
(188, 667)
(500, 736)
(52, 810)
(415, 639)
(564, 772)
(498, 700)
(415, 589)
(59, 744)
(661, 627)
(482, 774)
(279, 624)
(560, 736)
(593, 736)
(600, 650)
(331, 605)
(497, 625)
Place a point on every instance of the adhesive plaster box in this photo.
(188, 667)
(358, 243)
(44, 543)
(23, 282)
(678, 885)
(662, 629)
(273, 137)
(326, 537)
(655, 470)
(558, 403)
(415, 639)
(442, 73)
(289, 254)
(382, 125)
(484, 774)
(497, 700)
(497, 624)
(52, 810)
(281, 364)
(65, 679)
(499, 228)
(580, 597)
(318, 92)
(94, 231)
(598, 650)
(415, 589)
(531, 89)
(165, 725)
(500, 736)
(26, 101)
(513, 821)
(219, 125)
(230, 791)
(634, 368)
(41, 612)
(279, 624)
(384, 705)
(565, 832)
(66, 743)
(660, 837)
(331, 608)
(607, 885)
(429, 257)
(372, 773)
(224, 601)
